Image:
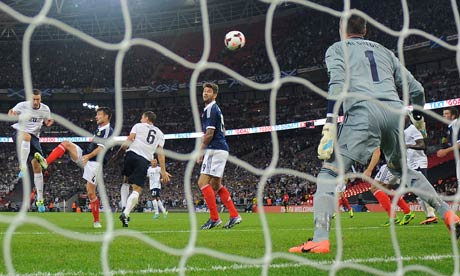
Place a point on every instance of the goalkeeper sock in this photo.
(324, 204)
(228, 202)
(384, 201)
(210, 198)
(57, 153)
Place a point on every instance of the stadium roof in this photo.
(103, 18)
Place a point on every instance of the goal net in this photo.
(271, 259)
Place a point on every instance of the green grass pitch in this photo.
(366, 244)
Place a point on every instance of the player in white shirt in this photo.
(28, 134)
(154, 175)
(144, 139)
(417, 160)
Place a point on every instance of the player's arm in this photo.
(161, 159)
(124, 146)
(373, 163)
(207, 138)
(336, 71)
(446, 151)
(11, 112)
(419, 145)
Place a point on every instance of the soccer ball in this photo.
(234, 40)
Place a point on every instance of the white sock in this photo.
(160, 205)
(131, 202)
(155, 206)
(429, 210)
(38, 180)
(25, 151)
(124, 193)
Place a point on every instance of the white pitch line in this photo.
(236, 267)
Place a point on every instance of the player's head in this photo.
(36, 98)
(154, 162)
(148, 116)
(103, 115)
(450, 113)
(356, 26)
(210, 91)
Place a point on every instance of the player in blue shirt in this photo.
(214, 160)
(373, 73)
(86, 158)
(451, 114)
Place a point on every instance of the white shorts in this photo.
(89, 170)
(385, 176)
(214, 162)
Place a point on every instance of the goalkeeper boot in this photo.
(351, 213)
(124, 220)
(310, 246)
(41, 160)
(40, 206)
(407, 218)
(211, 224)
(430, 220)
(450, 218)
(396, 220)
(233, 221)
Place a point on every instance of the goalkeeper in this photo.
(372, 110)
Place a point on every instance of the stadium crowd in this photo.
(297, 45)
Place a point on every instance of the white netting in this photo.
(203, 64)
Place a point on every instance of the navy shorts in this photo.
(34, 145)
(135, 168)
(156, 192)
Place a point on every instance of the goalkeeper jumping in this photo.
(373, 73)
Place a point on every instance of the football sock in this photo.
(131, 202)
(228, 202)
(38, 181)
(210, 198)
(161, 207)
(403, 205)
(95, 204)
(324, 204)
(25, 151)
(345, 203)
(124, 193)
(384, 201)
(57, 153)
(155, 206)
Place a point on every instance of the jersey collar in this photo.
(104, 127)
(209, 105)
(453, 123)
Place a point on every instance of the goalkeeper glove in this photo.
(418, 121)
(326, 145)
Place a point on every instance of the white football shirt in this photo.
(148, 138)
(415, 158)
(154, 175)
(37, 117)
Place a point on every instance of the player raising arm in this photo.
(30, 132)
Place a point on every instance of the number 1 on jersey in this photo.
(370, 56)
